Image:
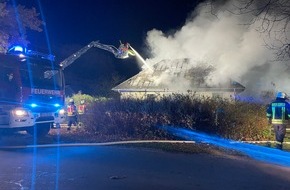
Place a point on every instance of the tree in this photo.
(14, 22)
(271, 17)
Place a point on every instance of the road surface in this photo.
(127, 168)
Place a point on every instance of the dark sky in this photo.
(71, 24)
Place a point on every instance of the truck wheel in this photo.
(39, 130)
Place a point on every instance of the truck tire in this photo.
(39, 130)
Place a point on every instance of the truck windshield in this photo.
(39, 76)
(31, 73)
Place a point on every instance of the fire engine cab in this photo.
(32, 91)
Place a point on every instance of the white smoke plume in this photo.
(225, 40)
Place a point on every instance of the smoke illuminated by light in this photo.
(265, 154)
(224, 40)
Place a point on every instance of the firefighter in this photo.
(81, 112)
(71, 114)
(125, 50)
(278, 114)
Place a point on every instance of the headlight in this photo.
(20, 112)
(61, 112)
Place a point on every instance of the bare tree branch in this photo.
(272, 18)
(15, 22)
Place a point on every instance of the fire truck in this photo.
(32, 93)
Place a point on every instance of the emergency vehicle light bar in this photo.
(17, 48)
(23, 52)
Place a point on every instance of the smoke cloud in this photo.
(228, 42)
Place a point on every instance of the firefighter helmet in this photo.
(281, 95)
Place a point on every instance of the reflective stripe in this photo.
(81, 109)
(278, 113)
(279, 121)
(278, 104)
(70, 110)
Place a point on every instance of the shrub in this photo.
(141, 119)
(245, 121)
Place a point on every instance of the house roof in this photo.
(176, 75)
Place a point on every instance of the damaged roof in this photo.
(176, 75)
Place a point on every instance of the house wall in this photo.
(159, 95)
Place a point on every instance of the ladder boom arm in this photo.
(118, 52)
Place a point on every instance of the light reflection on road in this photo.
(257, 152)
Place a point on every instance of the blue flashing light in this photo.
(17, 49)
(33, 105)
(23, 52)
(56, 105)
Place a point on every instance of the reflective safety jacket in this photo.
(279, 111)
(81, 109)
(71, 110)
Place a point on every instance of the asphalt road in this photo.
(124, 168)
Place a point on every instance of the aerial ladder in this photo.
(123, 52)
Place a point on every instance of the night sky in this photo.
(72, 24)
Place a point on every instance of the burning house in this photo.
(180, 76)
